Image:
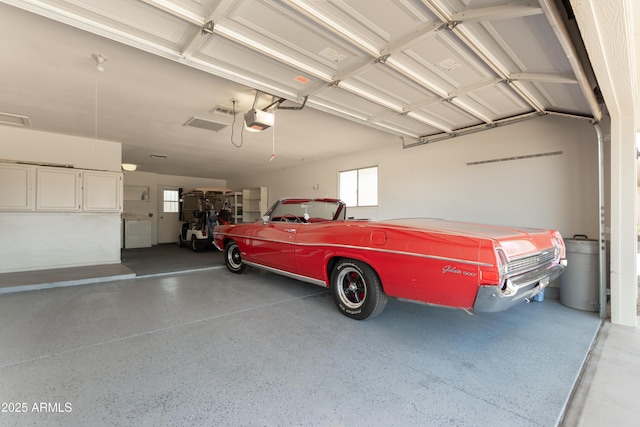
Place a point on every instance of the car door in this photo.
(273, 245)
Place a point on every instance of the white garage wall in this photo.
(434, 180)
(83, 153)
(55, 240)
(40, 240)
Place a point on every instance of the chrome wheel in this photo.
(357, 290)
(352, 288)
(232, 258)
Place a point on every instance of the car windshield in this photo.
(305, 211)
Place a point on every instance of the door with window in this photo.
(168, 221)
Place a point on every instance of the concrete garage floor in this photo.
(208, 347)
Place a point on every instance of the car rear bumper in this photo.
(522, 288)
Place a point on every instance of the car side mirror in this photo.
(265, 219)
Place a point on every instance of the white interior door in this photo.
(168, 222)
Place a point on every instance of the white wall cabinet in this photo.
(254, 203)
(101, 192)
(16, 187)
(58, 189)
(50, 189)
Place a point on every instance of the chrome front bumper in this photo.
(518, 289)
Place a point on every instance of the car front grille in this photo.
(532, 262)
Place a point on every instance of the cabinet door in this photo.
(16, 187)
(58, 189)
(101, 192)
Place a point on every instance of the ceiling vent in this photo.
(14, 120)
(195, 122)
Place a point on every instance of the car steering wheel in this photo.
(290, 218)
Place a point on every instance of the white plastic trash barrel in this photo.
(579, 281)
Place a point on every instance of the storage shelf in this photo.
(255, 203)
(133, 193)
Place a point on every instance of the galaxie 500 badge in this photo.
(456, 270)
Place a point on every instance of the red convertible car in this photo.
(431, 261)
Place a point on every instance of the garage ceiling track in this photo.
(417, 69)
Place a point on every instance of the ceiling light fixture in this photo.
(129, 167)
(100, 60)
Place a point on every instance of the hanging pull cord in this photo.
(233, 125)
(96, 110)
(273, 138)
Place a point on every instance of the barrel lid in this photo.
(585, 246)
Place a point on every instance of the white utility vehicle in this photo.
(199, 216)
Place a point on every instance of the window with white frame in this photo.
(170, 201)
(359, 187)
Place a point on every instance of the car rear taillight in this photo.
(558, 243)
(502, 264)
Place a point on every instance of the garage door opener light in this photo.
(258, 120)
